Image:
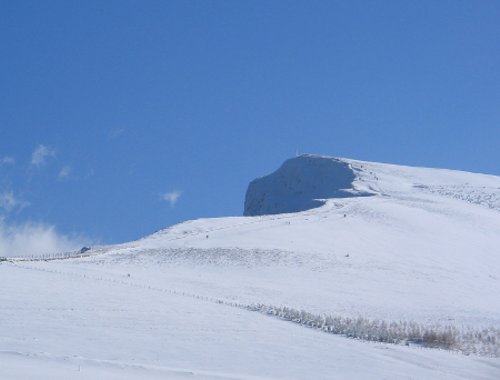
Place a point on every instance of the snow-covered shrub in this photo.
(485, 342)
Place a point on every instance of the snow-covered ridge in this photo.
(307, 181)
(301, 183)
(402, 181)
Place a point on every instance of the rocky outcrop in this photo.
(301, 183)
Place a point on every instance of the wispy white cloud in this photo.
(9, 202)
(171, 197)
(34, 239)
(65, 172)
(7, 160)
(29, 238)
(41, 154)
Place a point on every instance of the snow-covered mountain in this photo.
(420, 243)
(300, 184)
(349, 248)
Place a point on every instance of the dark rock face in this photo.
(301, 183)
(84, 249)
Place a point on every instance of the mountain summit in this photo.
(308, 181)
(301, 183)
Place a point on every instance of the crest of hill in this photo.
(307, 181)
(301, 183)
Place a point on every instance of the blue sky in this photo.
(118, 118)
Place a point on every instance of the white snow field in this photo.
(386, 249)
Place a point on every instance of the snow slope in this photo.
(409, 251)
(422, 247)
